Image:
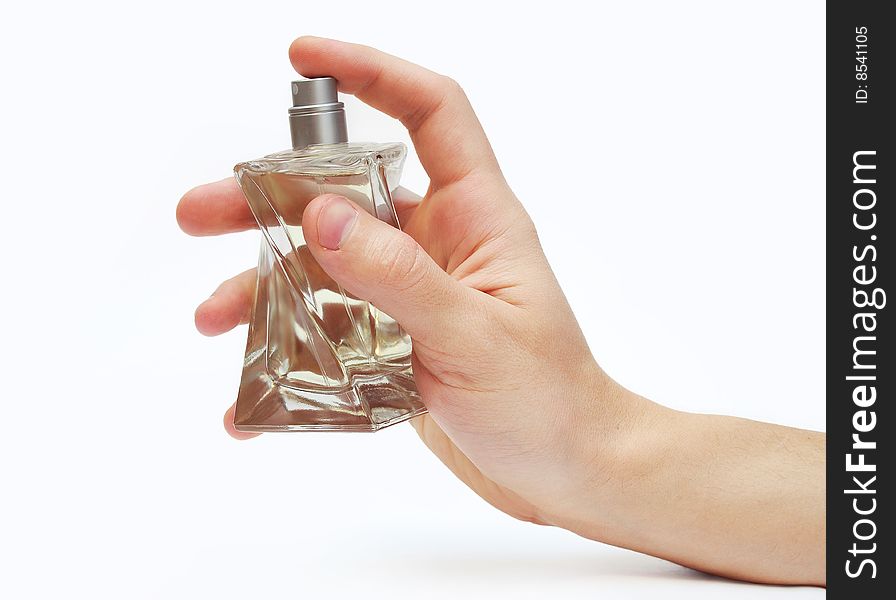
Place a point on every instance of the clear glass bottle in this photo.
(318, 358)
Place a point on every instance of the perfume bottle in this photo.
(317, 357)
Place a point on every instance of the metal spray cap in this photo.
(317, 116)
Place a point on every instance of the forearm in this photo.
(729, 496)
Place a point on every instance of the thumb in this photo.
(385, 266)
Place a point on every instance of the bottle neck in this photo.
(317, 124)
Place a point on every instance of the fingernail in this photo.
(335, 222)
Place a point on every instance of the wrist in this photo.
(614, 435)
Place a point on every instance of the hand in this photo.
(518, 408)
(498, 358)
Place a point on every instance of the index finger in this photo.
(447, 134)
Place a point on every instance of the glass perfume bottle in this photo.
(317, 357)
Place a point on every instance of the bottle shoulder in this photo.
(344, 158)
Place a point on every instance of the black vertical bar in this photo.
(861, 371)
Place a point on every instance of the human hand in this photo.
(517, 407)
(499, 359)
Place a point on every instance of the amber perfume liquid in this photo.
(317, 357)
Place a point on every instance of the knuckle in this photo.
(403, 266)
(439, 92)
(451, 87)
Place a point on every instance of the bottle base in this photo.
(370, 403)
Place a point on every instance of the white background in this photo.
(671, 155)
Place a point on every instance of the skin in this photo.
(518, 408)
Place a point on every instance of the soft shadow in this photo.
(461, 557)
(601, 565)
